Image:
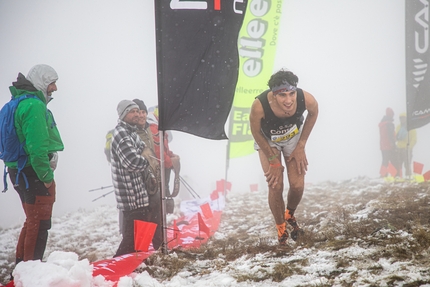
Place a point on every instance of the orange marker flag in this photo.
(207, 211)
(427, 176)
(214, 195)
(202, 226)
(418, 167)
(392, 170)
(143, 234)
(220, 185)
(254, 187)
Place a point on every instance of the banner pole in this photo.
(158, 15)
(163, 193)
(227, 162)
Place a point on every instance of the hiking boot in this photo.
(282, 233)
(297, 231)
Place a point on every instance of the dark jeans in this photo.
(156, 217)
(127, 244)
(37, 202)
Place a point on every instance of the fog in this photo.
(349, 54)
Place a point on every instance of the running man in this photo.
(279, 127)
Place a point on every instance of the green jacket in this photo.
(36, 127)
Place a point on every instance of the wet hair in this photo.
(280, 77)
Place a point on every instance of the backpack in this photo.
(108, 144)
(10, 148)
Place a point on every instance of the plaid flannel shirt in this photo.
(127, 166)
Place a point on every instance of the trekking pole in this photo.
(189, 188)
(103, 195)
(100, 188)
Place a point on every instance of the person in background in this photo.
(171, 160)
(387, 141)
(276, 121)
(127, 166)
(405, 144)
(36, 128)
(144, 131)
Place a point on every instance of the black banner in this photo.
(197, 63)
(417, 63)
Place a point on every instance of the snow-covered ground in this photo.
(361, 232)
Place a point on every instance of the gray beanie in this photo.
(141, 105)
(124, 107)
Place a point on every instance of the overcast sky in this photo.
(349, 54)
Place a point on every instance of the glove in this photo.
(53, 160)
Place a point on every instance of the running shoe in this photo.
(297, 231)
(282, 233)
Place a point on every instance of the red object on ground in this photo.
(115, 268)
(427, 176)
(214, 195)
(206, 209)
(185, 233)
(143, 234)
(418, 167)
(254, 187)
(202, 226)
(220, 185)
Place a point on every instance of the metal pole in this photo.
(159, 53)
(226, 167)
(163, 194)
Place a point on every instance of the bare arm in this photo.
(311, 118)
(299, 153)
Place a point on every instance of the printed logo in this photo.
(202, 5)
(240, 129)
(421, 42)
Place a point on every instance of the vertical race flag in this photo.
(417, 63)
(197, 63)
(257, 48)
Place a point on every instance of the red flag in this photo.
(418, 167)
(392, 170)
(207, 211)
(254, 187)
(143, 233)
(214, 195)
(427, 176)
(114, 268)
(221, 183)
(202, 226)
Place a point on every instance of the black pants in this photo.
(127, 244)
(37, 202)
(156, 217)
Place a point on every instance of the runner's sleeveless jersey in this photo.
(281, 129)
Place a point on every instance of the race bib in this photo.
(286, 136)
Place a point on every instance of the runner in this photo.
(277, 126)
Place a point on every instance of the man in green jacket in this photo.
(35, 126)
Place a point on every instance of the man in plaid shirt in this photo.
(127, 166)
